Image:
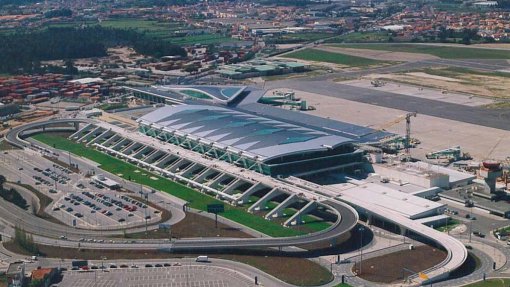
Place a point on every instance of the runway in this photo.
(494, 118)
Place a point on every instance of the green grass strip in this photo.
(446, 52)
(330, 57)
(197, 200)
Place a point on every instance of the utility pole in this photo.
(361, 229)
(470, 223)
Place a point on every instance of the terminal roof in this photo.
(251, 135)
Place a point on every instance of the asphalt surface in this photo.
(494, 118)
(47, 231)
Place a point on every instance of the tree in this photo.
(64, 12)
(2, 181)
(70, 68)
(443, 34)
(36, 283)
(21, 52)
(25, 241)
(191, 68)
(504, 4)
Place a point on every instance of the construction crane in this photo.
(407, 140)
(408, 134)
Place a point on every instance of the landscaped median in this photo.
(196, 199)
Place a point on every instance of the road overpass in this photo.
(346, 216)
(456, 251)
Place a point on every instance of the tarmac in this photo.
(435, 133)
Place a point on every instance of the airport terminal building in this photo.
(253, 142)
(231, 123)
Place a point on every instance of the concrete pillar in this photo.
(88, 135)
(120, 143)
(191, 169)
(370, 219)
(102, 135)
(201, 177)
(246, 195)
(261, 203)
(233, 185)
(77, 134)
(278, 210)
(296, 218)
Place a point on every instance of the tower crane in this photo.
(408, 134)
(407, 140)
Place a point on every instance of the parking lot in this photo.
(77, 200)
(52, 176)
(105, 209)
(141, 276)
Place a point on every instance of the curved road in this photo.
(347, 219)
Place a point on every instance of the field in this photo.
(446, 52)
(316, 55)
(484, 84)
(298, 38)
(388, 268)
(163, 30)
(6, 146)
(457, 72)
(499, 282)
(151, 27)
(196, 199)
(361, 37)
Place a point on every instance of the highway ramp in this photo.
(347, 217)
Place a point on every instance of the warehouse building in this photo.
(260, 68)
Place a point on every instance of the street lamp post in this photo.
(470, 222)
(361, 229)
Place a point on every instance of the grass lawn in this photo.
(503, 282)
(452, 223)
(4, 145)
(343, 285)
(162, 30)
(148, 26)
(298, 37)
(197, 200)
(330, 57)
(446, 52)
(202, 39)
(361, 37)
(108, 107)
(458, 72)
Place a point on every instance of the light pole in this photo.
(103, 258)
(470, 222)
(361, 229)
